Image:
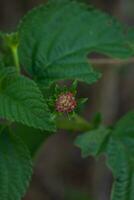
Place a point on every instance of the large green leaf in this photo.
(22, 101)
(118, 146)
(15, 167)
(56, 38)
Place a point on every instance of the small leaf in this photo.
(96, 120)
(15, 167)
(93, 142)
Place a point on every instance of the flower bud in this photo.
(66, 103)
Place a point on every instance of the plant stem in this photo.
(14, 50)
(11, 41)
(77, 123)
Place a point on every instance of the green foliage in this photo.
(118, 146)
(56, 38)
(52, 43)
(15, 167)
(22, 101)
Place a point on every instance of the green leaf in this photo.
(56, 38)
(118, 146)
(22, 101)
(15, 167)
(93, 142)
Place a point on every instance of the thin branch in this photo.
(109, 61)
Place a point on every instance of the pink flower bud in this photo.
(66, 103)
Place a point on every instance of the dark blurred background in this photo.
(60, 172)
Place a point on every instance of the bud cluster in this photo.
(66, 103)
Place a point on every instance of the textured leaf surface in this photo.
(56, 38)
(15, 167)
(22, 101)
(119, 150)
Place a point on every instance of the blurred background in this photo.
(60, 172)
